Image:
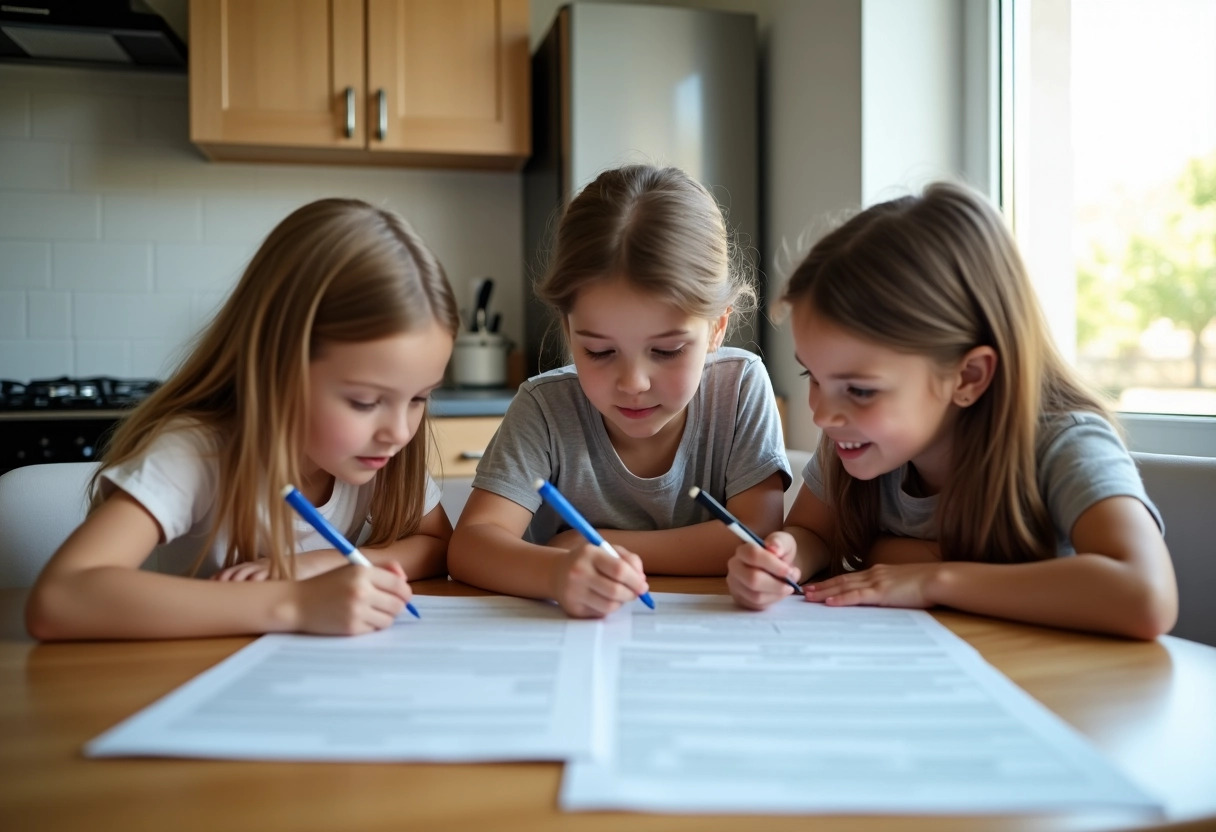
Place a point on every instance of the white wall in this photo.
(117, 238)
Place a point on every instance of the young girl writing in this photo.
(961, 463)
(315, 372)
(651, 406)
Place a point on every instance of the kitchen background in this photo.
(117, 238)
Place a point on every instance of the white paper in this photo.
(476, 679)
(806, 708)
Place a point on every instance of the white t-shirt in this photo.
(177, 479)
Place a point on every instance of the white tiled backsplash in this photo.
(118, 239)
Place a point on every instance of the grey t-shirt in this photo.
(731, 442)
(1081, 461)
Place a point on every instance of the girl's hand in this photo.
(351, 600)
(883, 585)
(307, 565)
(590, 583)
(756, 576)
(254, 570)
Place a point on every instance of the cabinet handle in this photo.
(350, 112)
(382, 126)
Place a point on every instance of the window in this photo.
(1108, 156)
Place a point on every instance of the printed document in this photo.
(807, 708)
(475, 679)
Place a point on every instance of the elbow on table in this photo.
(1153, 614)
(42, 620)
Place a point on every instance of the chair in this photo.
(1184, 490)
(40, 505)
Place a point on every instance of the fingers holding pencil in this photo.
(769, 557)
(759, 576)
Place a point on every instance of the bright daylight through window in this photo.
(1109, 173)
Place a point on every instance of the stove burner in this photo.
(75, 394)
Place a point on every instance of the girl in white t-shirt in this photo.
(316, 373)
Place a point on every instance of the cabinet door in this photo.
(276, 72)
(449, 78)
(459, 443)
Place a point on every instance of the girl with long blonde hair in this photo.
(315, 372)
(961, 462)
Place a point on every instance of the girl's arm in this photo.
(703, 548)
(422, 554)
(755, 575)
(93, 588)
(488, 550)
(1121, 581)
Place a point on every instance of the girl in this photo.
(315, 372)
(961, 463)
(652, 405)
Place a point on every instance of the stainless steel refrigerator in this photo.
(617, 84)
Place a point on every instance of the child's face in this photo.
(366, 400)
(882, 408)
(639, 358)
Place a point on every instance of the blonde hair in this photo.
(658, 229)
(937, 275)
(335, 270)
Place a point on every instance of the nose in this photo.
(823, 413)
(633, 378)
(397, 428)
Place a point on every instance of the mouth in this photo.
(637, 412)
(851, 450)
(376, 462)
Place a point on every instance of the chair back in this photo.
(1184, 490)
(40, 505)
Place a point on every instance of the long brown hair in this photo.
(657, 228)
(335, 270)
(937, 275)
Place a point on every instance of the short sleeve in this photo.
(432, 496)
(758, 450)
(1082, 463)
(518, 454)
(812, 475)
(176, 480)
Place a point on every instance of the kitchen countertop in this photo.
(470, 401)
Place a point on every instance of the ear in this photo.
(717, 329)
(975, 373)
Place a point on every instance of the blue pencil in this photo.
(309, 512)
(577, 522)
(738, 529)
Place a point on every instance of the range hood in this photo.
(119, 34)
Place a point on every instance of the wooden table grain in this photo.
(1149, 707)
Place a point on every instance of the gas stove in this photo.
(99, 393)
(63, 419)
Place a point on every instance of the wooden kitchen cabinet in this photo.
(459, 443)
(423, 82)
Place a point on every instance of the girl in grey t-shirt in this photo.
(651, 406)
(961, 462)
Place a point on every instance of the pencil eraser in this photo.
(537, 484)
(287, 489)
(693, 492)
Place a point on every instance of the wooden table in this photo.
(1150, 707)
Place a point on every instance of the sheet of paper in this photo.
(805, 708)
(476, 679)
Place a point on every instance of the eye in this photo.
(597, 356)
(362, 407)
(806, 374)
(861, 392)
(669, 354)
(419, 400)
